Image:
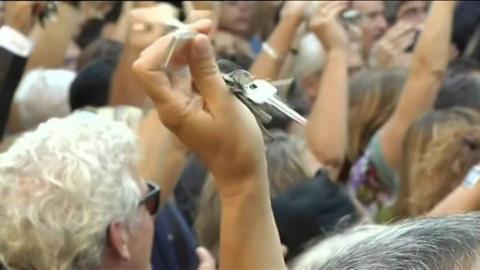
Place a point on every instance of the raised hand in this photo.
(326, 24)
(390, 50)
(223, 132)
(147, 24)
(21, 15)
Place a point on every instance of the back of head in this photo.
(286, 166)
(91, 87)
(373, 98)
(431, 243)
(439, 149)
(466, 21)
(286, 169)
(99, 48)
(43, 94)
(311, 57)
(461, 88)
(60, 188)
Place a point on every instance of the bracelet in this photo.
(271, 52)
(472, 177)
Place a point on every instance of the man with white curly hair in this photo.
(72, 199)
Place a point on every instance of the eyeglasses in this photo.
(152, 199)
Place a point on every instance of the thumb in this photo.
(205, 73)
(207, 262)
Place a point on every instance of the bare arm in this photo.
(327, 125)
(428, 66)
(461, 200)
(280, 41)
(52, 41)
(226, 137)
(164, 157)
(146, 25)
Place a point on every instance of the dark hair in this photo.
(459, 90)
(310, 210)
(99, 48)
(466, 20)
(91, 87)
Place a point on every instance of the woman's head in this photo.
(439, 149)
(373, 97)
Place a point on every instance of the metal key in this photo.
(262, 92)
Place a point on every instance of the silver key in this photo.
(262, 92)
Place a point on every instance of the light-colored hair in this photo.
(60, 188)
(432, 243)
(373, 97)
(439, 150)
(285, 169)
(311, 57)
(43, 94)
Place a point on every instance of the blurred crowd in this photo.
(124, 146)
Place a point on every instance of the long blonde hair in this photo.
(439, 149)
(373, 97)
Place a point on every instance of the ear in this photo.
(118, 238)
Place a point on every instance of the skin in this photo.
(413, 12)
(130, 246)
(374, 25)
(327, 136)
(225, 136)
(235, 17)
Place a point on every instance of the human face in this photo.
(413, 12)
(374, 23)
(141, 234)
(236, 16)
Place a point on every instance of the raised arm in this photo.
(163, 156)
(225, 135)
(428, 66)
(463, 199)
(51, 42)
(269, 63)
(327, 125)
(146, 25)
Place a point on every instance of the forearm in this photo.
(125, 86)
(461, 200)
(327, 126)
(265, 66)
(162, 160)
(249, 238)
(52, 41)
(429, 63)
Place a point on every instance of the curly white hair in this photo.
(61, 186)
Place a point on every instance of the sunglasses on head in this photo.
(152, 199)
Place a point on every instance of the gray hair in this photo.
(311, 56)
(429, 243)
(60, 188)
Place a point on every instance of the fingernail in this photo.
(202, 46)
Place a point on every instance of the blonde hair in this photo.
(373, 97)
(439, 149)
(61, 186)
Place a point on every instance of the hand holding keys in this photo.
(253, 93)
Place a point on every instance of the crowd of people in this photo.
(122, 145)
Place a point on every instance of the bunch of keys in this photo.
(253, 93)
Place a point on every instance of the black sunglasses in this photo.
(152, 199)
